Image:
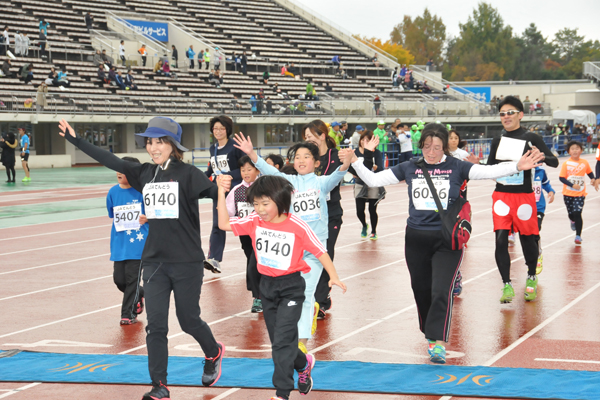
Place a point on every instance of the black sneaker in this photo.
(256, 306)
(158, 392)
(212, 367)
(212, 265)
(305, 382)
(321, 314)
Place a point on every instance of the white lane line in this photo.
(225, 394)
(56, 233)
(53, 264)
(53, 246)
(22, 388)
(538, 328)
(54, 288)
(567, 361)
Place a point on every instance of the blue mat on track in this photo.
(342, 376)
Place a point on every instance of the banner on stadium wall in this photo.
(156, 30)
(485, 92)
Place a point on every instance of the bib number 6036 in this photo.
(306, 205)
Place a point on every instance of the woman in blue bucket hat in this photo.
(172, 258)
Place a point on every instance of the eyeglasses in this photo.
(509, 112)
(222, 129)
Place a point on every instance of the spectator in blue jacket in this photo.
(336, 60)
(44, 26)
(191, 54)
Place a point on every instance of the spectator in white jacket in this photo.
(403, 135)
(25, 45)
(18, 43)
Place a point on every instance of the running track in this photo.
(57, 285)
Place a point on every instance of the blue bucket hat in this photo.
(335, 124)
(359, 128)
(162, 126)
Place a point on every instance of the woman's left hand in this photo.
(371, 145)
(531, 159)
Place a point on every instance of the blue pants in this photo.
(308, 307)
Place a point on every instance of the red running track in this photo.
(57, 286)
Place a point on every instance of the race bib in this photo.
(219, 164)
(423, 198)
(127, 217)
(161, 200)
(576, 180)
(307, 205)
(510, 149)
(274, 248)
(515, 179)
(244, 209)
(537, 190)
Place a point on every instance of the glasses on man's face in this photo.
(222, 129)
(509, 112)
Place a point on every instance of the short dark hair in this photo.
(365, 134)
(223, 120)
(245, 160)
(132, 159)
(277, 160)
(318, 128)
(178, 154)
(314, 150)
(288, 169)
(461, 143)
(573, 143)
(513, 101)
(432, 130)
(276, 188)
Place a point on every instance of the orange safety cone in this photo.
(387, 162)
(481, 153)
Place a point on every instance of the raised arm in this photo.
(224, 184)
(529, 160)
(245, 145)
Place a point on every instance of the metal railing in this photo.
(592, 69)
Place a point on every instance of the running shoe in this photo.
(256, 306)
(457, 285)
(573, 228)
(430, 346)
(302, 347)
(27, 179)
(507, 293)
(158, 392)
(278, 398)
(212, 367)
(540, 265)
(531, 288)
(321, 314)
(363, 233)
(511, 239)
(438, 354)
(212, 265)
(140, 306)
(578, 240)
(128, 321)
(373, 236)
(305, 382)
(315, 317)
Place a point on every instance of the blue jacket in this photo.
(305, 183)
(191, 53)
(541, 181)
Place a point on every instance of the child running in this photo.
(127, 239)
(310, 204)
(238, 206)
(541, 182)
(279, 239)
(572, 175)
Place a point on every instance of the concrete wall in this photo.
(39, 161)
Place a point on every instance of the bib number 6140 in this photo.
(163, 198)
(262, 246)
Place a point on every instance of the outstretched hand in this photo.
(531, 159)
(224, 182)
(339, 283)
(243, 143)
(472, 158)
(347, 156)
(371, 145)
(64, 126)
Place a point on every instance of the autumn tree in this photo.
(424, 37)
(402, 55)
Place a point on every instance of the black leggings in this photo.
(529, 245)
(9, 171)
(360, 212)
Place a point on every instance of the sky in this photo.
(378, 17)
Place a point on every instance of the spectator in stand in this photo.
(244, 63)
(6, 68)
(144, 53)
(18, 43)
(25, 45)
(26, 74)
(52, 78)
(200, 59)
(336, 60)
(119, 81)
(355, 139)
(269, 106)
(98, 61)
(219, 77)
(217, 59)
(394, 77)
(190, 55)
(344, 130)
(402, 73)
(376, 104)
(426, 88)
(122, 52)
(327, 87)
(375, 61)
(260, 101)
(527, 104)
(89, 20)
(109, 61)
(235, 104)
(44, 26)
(265, 77)
(102, 79)
(538, 107)
(429, 65)
(166, 68)
(63, 78)
(253, 105)
(129, 81)
(112, 74)
(344, 75)
(276, 88)
(5, 42)
(206, 56)
(174, 56)
(158, 68)
(309, 90)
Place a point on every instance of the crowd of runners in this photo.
(288, 216)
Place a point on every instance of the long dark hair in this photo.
(461, 143)
(225, 121)
(318, 128)
(435, 130)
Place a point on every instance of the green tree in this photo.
(567, 42)
(534, 50)
(424, 37)
(485, 48)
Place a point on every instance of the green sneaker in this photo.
(363, 233)
(438, 354)
(373, 236)
(531, 288)
(256, 306)
(507, 294)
